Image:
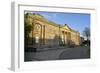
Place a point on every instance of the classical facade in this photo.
(47, 34)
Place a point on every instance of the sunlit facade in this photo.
(49, 34)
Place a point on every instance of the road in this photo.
(58, 54)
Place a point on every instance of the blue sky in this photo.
(76, 21)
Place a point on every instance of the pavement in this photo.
(81, 52)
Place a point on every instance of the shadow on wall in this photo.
(34, 43)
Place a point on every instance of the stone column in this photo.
(43, 34)
(64, 37)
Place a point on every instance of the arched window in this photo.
(37, 33)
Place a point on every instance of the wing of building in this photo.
(45, 33)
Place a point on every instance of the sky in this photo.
(76, 21)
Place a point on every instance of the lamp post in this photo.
(32, 33)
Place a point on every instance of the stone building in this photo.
(45, 33)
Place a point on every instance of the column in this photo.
(64, 37)
(43, 34)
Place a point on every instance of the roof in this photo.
(42, 18)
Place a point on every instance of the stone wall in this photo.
(49, 34)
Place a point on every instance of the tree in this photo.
(27, 28)
(86, 33)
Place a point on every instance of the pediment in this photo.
(66, 27)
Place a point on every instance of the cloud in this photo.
(47, 16)
(54, 15)
(50, 16)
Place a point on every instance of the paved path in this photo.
(56, 54)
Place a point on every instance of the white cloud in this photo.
(54, 15)
(50, 16)
(47, 16)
